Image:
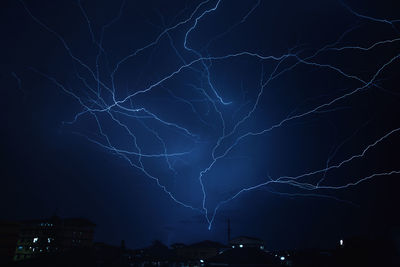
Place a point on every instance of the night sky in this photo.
(162, 119)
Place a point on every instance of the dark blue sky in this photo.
(189, 103)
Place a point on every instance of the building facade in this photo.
(52, 235)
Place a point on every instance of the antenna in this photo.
(229, 231)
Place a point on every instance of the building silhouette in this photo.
(37, 237)
(246, 241)
(9, 234)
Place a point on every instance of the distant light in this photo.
(341, 242)
(202, 261)
(35, 240)
(48, 240)
(20, 247)
(282, 258)
(261, 247)
(276, 255)
(233, 246)
(240, 245)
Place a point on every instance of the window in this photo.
(35, 240)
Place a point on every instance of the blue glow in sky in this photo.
(165, 119)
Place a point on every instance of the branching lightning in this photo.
(105, 105)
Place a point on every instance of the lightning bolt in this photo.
(227, 120)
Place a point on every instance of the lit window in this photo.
(20, 247)
(202, 261)
(48, 240)
(233, 246)
(240, 245)
(35, 240)
(341, 242)
(261, 247)
(282, 258)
